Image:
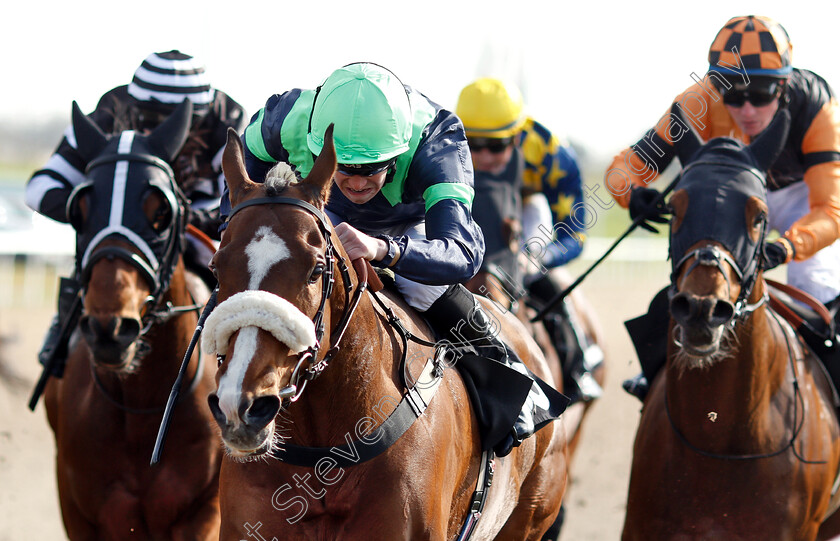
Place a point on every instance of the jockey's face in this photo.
(751, 119)
(358, 188)
(491, 155)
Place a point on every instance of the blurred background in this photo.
(598, 74)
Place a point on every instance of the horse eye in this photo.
(759, 219)
(157, 211)
(316, 273)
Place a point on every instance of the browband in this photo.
(287, 201)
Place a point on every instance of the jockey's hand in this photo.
(357, 244)
(777, 253)
(641, 204)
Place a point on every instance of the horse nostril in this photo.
(681, 307)
(216, 410)
(722, 312)
(127, 330)
(262, 410)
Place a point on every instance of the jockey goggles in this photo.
(758, 97)
(365, 169)
(493, 144)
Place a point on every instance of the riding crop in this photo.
(545, 310)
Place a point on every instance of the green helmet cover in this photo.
(371, 111)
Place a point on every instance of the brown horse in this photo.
(140, 311)
(310, 367)
(499, 290)
(504, 288)
(738, 437)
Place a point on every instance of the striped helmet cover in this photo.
(170, 77)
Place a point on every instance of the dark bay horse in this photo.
(499, 214)
(738, 437)
(311, 367)
(140, 311)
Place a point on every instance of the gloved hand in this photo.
(641, 204)
(775, 254)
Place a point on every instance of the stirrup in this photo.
(638, 386)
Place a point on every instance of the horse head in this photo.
(129, 222)
(275, 268)
(716, 236)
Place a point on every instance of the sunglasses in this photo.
(758, 97)
(495, 146)
(364, 169)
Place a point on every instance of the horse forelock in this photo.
(280, 177)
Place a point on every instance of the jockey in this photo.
(401, 198)
(160, 84)
(508, 146)
(750, 78)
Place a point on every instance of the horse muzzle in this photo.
(701, 321)
(112, 340)
(250, 431)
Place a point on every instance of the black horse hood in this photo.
(720, 180)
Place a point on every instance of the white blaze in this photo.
(263, 252)
(230, 384)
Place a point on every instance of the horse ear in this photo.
(233, 166)
(320, 178)
(690, 141)
(90, 139)
(769, 143)
(167, 139)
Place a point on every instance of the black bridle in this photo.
(156, 311)
(308, 367)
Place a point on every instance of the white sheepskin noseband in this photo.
(261, 309)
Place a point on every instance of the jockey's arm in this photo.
(552, 171)
(820, 227)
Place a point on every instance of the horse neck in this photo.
(735, 394)
(357, 381)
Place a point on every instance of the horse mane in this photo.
(280, 177)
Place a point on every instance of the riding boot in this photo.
(649, 334)
(578, 357)
(67, 291)
(459, 316)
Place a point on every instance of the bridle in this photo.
(155, 310)
(712, 256)
(307, 367)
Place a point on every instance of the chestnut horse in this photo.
(140, 312)
(310, 367)
(738, 437)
